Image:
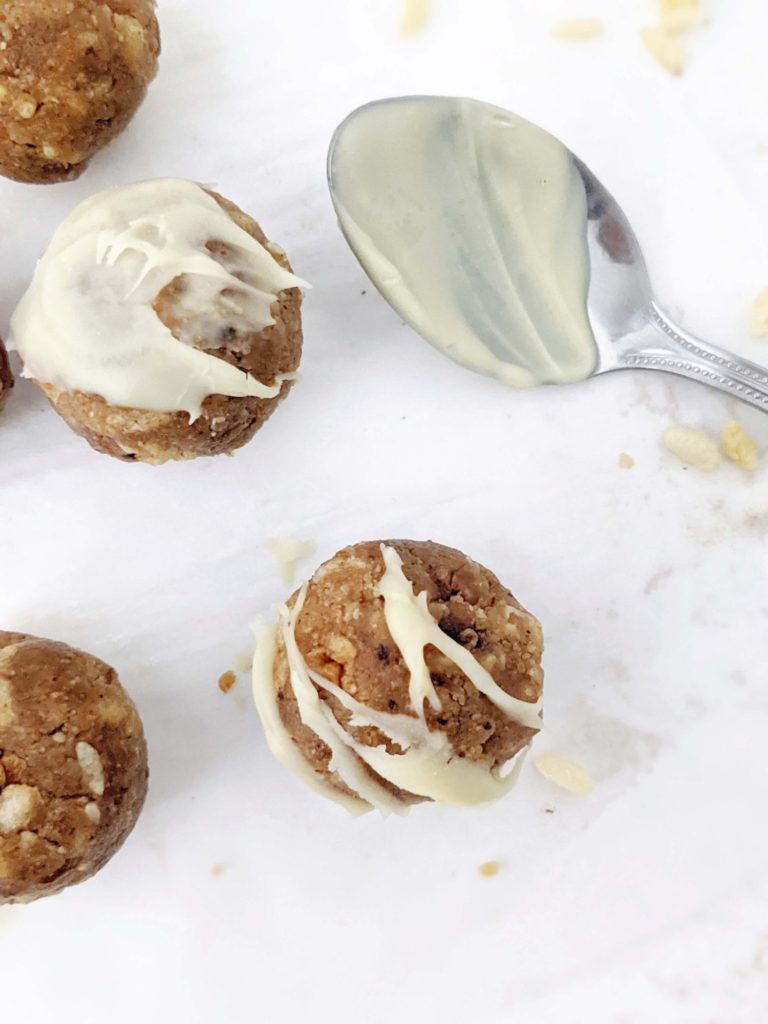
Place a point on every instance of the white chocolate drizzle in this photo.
(87, 324)
(426, 764)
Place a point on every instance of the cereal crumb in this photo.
(564, 773)
(416, 15)
(692, 446)
(489, 869)
(760, 315)
(91, 767)
(93, 813)
(680, 15)
(17, 805)
(288, 551)
(626, 461)
(739, 447)
(665, 48)
(578, 29)
(673, 6)
(217, 870)
(226, 681)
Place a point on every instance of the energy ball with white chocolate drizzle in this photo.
(73, 766)
(401, 672)
(160, 323)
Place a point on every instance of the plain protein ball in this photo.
(72, 75)
(73, 766)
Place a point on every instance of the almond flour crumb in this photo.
(288, 551)
(760, 315)
(227, 681)
(578, 29)
(489, 869)
(416, 15)
(692, 446)
(665, 48)
(626, 461)
(739, 447)
(564, 773)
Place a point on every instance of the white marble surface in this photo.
(646, 901)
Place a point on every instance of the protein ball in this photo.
(6, 377)
(402, 671)
(73, 766)
(72, 75)
(161, 323)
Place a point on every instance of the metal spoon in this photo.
(630, 330)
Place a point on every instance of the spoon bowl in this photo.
(414, 176)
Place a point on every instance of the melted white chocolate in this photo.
(425, 764)
(472, 223)
(87, 324)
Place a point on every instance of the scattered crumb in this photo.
(692, 446)
(577, 29)
(489, 869)
(416, 15)
(675, 18)
(665, 48)
(227, 681)
(739, 447)
(760, 315)
(683, 20)
(761, 149)
(242, 662)
(217, 869)
(288, 551)
(564, 773)
(549, 810)
(626, 461)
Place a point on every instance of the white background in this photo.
(648, 900)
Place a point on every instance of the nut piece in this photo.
(692, 446)
(739, 447)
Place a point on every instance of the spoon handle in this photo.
(668, 347)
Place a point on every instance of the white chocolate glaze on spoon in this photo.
(501, 248)
(472, 223)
